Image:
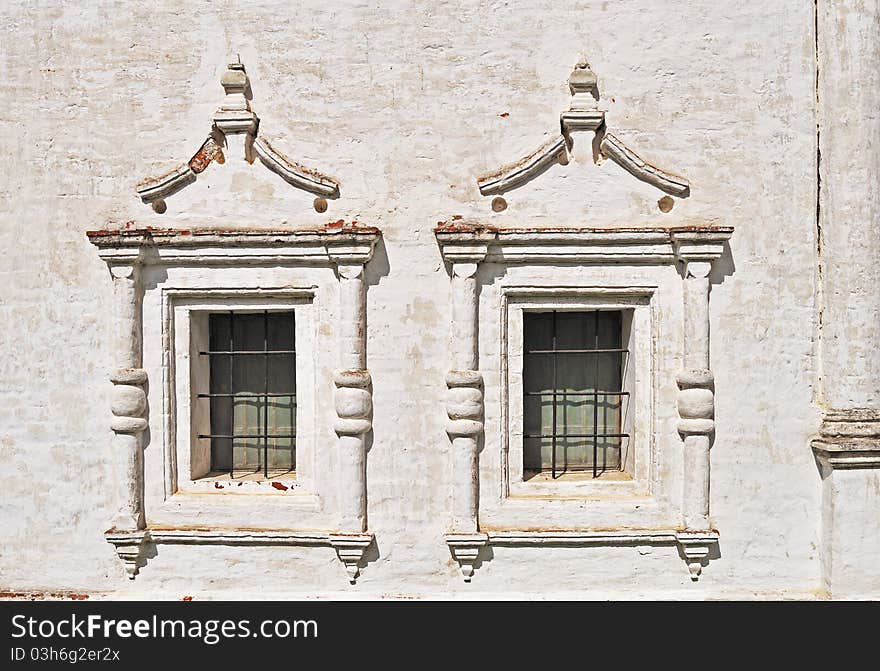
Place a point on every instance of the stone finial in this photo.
(234, 82)
(584, 86)
(583, 112)
(235, 115)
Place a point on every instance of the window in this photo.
(573, 371)
(577, 377)
(243, 374)
(252, 397)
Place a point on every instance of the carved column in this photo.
(848, 445)
(464, 409)
(696, 399)
(696, 402)
(354, 409)
(129, 408)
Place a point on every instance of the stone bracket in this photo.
(351, 548)
(134, 547)
(131, 546)
(465, 549)
(696, 548)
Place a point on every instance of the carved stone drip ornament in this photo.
(235, 128)
(583, 115)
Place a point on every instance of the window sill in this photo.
(249, 476)
(279, 483)
(581, 486)
(536, 477)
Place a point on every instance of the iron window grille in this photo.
(252, 393)
(573, 365)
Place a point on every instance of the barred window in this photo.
(252, 394)
(573, 367)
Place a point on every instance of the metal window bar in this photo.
(595, 394)
(265, 395)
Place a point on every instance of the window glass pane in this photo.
(571, 387)
(281, 331)
(252, 392)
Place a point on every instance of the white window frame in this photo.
(638, 380)
(184, 313)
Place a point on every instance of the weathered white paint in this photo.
(848, 446)
(405, 105)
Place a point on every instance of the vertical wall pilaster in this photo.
(129, 399)
(696, 402)
(353, 399)
(464, 410)
(848, 247)
(354, 407)
(696, 398)
(464, 399)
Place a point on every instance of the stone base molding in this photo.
(136, 547)
(847, 451)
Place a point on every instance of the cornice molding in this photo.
(334, 243)
(235, 118)
(510, 176)
(583, 115)
(461, 241)
(849, 439)
(293, 173)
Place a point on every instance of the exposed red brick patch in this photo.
(38, 596)
(208, 152)
(161, 235)
(466, 227)
(278, 485)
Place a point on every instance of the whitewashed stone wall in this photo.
(405, 105)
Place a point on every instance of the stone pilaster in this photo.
(354, 411)
(129, 403)
(848, 245)
(464, 410)
(696, 403)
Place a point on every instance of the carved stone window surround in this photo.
(667, 265)
(164, 277)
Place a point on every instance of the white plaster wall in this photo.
(406, 103)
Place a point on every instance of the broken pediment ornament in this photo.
(235, 128)
(583, 115)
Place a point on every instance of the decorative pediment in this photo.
(583, 115)
(235, 129)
